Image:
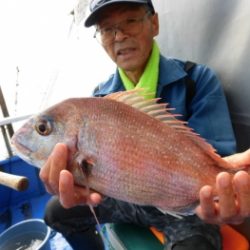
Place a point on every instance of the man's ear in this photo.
(155, 24)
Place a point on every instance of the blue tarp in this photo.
(17, 206)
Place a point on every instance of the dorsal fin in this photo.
(160, 112)
(136, 99)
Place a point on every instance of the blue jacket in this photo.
(207, 113)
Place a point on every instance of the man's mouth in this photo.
(125, 52)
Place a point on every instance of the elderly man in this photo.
(126, 30)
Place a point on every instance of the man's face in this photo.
(129, 52)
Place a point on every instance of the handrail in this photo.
(9, 120)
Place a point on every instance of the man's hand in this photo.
(233, 195)
(59, 181)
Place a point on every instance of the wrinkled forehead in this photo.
(119, 9)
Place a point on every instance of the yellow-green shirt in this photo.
(149, 78)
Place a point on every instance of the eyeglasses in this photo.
(130, 26)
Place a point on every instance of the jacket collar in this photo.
(170, 71)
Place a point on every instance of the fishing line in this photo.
(16, 91)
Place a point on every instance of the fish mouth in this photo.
(24, 153)
(20, 148)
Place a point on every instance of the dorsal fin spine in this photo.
(144, 103)
(155, 106)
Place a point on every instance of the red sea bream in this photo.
(125, 147)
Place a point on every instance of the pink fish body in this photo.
(125, 147)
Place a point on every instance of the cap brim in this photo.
(92, 18)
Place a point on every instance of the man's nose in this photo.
(119, 34)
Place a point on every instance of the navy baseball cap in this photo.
(97, 5)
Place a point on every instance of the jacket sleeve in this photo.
(209, 111)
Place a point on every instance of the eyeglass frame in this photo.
(115, 28)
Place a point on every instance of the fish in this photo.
(127, 147)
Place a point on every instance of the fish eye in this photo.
(43, 127)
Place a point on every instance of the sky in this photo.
(45, 56)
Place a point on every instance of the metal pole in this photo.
(5, 112)
(8, 127)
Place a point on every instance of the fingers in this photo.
(50, 172)
(240, 159)
(71, 195)
(207, 210)
(59, 181)
(94, 198)
(228, 208)
(67, 193)
(242, 189)
(233, 204)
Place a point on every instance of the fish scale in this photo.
(132, 150)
